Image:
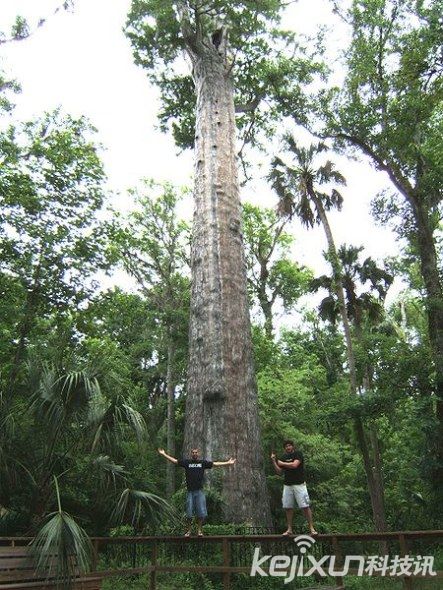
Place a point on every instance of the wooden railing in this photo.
(231, 555)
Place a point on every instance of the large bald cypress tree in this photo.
(235, 64)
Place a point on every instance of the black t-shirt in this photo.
(297, 475)
(195, 471)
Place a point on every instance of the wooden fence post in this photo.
(408, 583)
(226, 563)
(338, 559)
(94, 555)
(153, 574)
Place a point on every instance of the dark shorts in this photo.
(196, 504)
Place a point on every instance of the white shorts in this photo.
(296, 492)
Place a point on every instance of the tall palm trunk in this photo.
(221, 407)
(337, 277)
(375, 491)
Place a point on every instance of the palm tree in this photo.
(73, 430)
(364, 308)
(62, 537)
(298, 187)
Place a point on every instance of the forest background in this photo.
(93, 376)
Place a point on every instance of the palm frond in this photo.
(328, 173)
(106, 418)
(373, 308)
(59, 396)
(279, 183)
(135, 506)
(379, 278)
(321, 282)
(305, 210)
(108, 469)
(296, 185)
(61, 547)
(329, 309)
(137, 422)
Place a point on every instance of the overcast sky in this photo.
(82, 61)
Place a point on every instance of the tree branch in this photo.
(248, 107)
(65, 5)
(190, 36)
(401, 183)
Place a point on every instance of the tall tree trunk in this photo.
(375, 493)
(434, 307)
(338, 287)
(170, 394)
(221, 407)
(266, 307)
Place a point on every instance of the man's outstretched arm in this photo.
(230, 461)
(168, 457)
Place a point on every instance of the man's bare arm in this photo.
(168, 457)
(278, 470)
(289, 465)
(230, 461)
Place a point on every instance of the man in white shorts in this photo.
(291, 466)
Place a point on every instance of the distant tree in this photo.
(51, 180)
(272, 276)
(21, 30)
(152, 245)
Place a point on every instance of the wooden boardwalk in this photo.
(230, 555)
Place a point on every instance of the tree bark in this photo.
(377, 502)
(221, 407)
(434, 307)
(170, 441)
(266, 307)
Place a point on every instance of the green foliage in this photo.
(6, 88)
(89, 405)
(51, 181)
(152, 245)
(263, 59)
(272, 276)
(392, 95)
(137, 506)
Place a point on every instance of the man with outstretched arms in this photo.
(195, 470)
